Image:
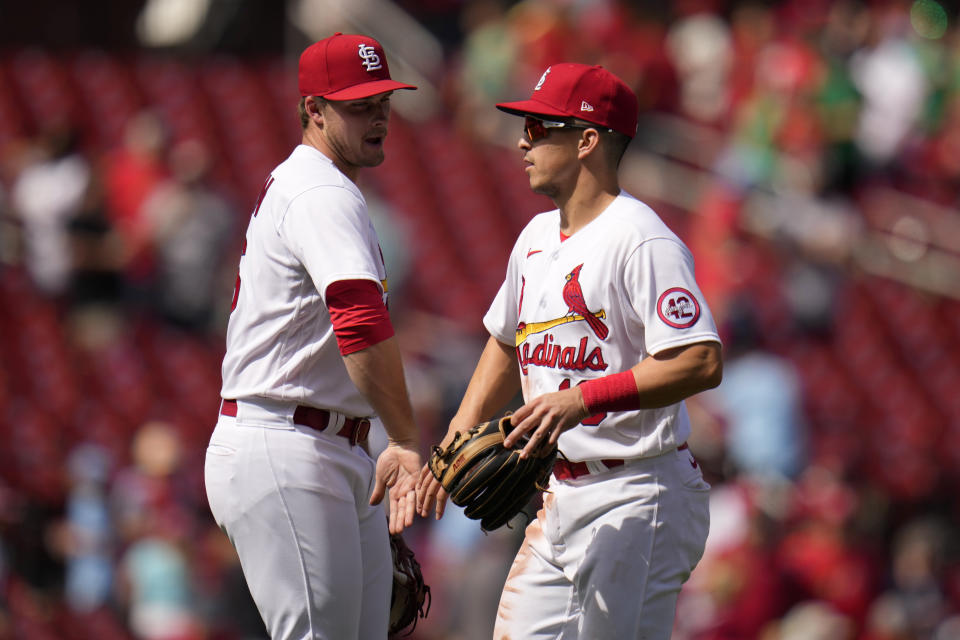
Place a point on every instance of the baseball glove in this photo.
(492, 482)
(409, 591)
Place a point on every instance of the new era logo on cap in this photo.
(346, 67)
(591, 93)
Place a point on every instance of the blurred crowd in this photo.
(138, 227)
(799, 132)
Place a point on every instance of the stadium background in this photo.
(808, 153)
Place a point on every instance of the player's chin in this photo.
(542, 187)
(373, 153)
(537, 181)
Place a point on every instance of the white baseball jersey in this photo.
(636, 280)
(310, 228)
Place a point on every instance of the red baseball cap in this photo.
(591, 93)
(346, 67)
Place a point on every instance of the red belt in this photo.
(354, 429)
(566, 470)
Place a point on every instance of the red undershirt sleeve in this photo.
(359, 317)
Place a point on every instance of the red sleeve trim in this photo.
(616, 392)
(359, 317)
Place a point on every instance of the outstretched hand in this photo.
(430, 493)
(398, 469)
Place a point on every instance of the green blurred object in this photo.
(929, 19)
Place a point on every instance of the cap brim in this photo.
(367, 89)
(531, 107)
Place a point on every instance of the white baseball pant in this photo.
(295, 503)
(608, 553)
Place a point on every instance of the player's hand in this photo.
(398, 469)
(545, 418)
(430, 493)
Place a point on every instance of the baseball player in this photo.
(601, 324)
(310, 358)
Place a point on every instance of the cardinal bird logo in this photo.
(573, 296)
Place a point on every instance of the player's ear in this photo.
(588, 143)
(313, 105)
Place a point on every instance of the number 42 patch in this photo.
(678, 308)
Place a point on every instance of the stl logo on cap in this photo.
(542, 78)
(371, 61)
(328, 68)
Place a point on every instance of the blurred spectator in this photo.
(488, 56)
(191, 226)
(46, 196)
(97, 274)
(152, 489)
(700, 47)
(720, 253)
(154, 582)
(915, 603)
(95, 269)
(624, 38)
(752, 27)
(761, 401)
(889, 76)
(88, 533)
(735, 591)
(820, 555)
(838, 101)
(545, 35)
(396, 244)
(154, 517)
(131, 173)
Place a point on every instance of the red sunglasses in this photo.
(537, 129)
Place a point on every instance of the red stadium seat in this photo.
(107, 86)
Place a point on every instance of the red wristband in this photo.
(616, 392)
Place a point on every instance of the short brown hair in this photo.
(614, 143)
(614, 146)
(302, 110)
